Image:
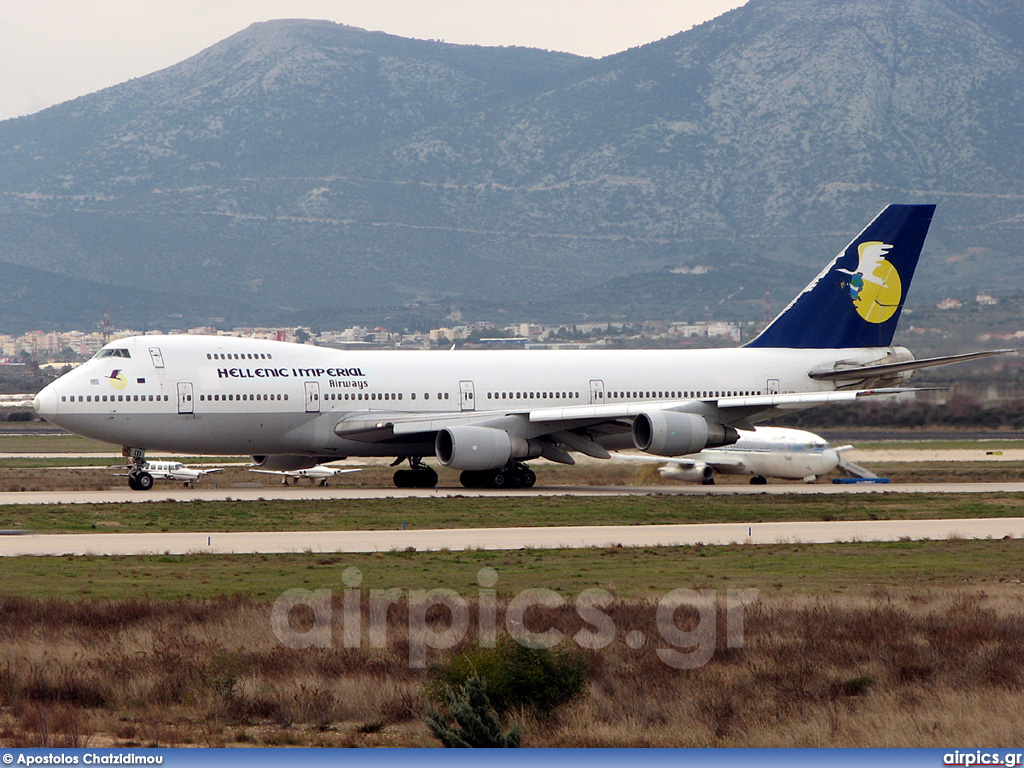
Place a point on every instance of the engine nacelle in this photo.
(668, 433)
(481, 448)
(284, 462)
(698, 473)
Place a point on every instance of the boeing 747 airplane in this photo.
(486, 413)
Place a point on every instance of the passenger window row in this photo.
(364, 396)
(239, 398)
(335, 396)
(617, 395)
(113, 398)
(533, 395)
(239, 356)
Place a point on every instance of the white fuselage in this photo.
(226, 395)
(774, 452)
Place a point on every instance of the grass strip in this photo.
(471, 512)
(813, 569)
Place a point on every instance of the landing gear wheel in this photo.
(758, 480)
(515, 476)
(425, 477)
(420, 476)
(140, 481)
(708, 481)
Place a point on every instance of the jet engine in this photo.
(284, 462)
(481, 448)
(668, 433)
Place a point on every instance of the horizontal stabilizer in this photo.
(865, 371)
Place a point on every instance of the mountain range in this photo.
(305, 168)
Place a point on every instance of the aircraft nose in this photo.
(45, 403)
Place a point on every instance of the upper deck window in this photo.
(112, 353)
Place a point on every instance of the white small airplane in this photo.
(792, 454)
(166, 470)
(319, 472)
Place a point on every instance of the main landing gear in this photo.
(516, 475)
(419, 475)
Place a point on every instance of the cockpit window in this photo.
(112, 353)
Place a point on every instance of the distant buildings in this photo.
(67, 346)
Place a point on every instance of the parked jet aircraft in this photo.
(792, 454)
(293, 406)
(166, 470)
(319, 472)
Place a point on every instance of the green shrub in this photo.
(857, 686)
(538, 679)
(475, 724)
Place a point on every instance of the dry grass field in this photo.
(860, 644)
(880, 669)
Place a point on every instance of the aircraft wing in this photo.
(723, 464)
(687, 462)
(608, 418)
(737, 411)
(372, 426)
(660, 460)
(275, 472)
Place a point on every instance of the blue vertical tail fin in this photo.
(857, 299)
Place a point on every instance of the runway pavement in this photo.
(175, 492)
(553, 537)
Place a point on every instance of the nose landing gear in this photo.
(138, 478)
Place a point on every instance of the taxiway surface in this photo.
(552, 537)
(277, 492)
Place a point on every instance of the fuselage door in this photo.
(185, 397)
(157, 356)
(772, 387)
(312, 397)
(596, 391)
(467, 396)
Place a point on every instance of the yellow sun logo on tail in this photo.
(875, 286)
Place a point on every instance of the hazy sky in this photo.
(55, 50)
